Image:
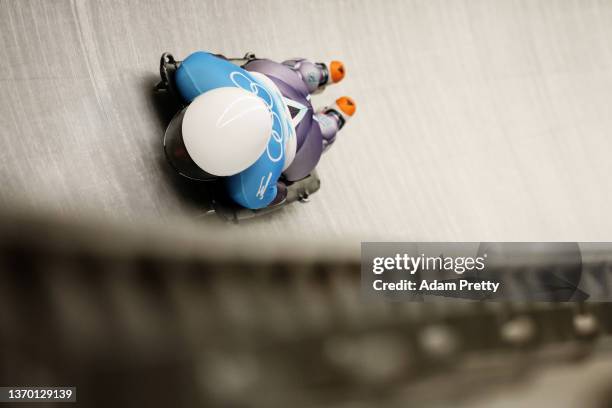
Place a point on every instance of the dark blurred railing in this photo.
(156, 318)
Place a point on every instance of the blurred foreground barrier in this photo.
(157, 318)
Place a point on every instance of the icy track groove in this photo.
(476, 120)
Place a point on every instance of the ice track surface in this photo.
(476, 120)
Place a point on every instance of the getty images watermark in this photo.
(486, 271)
(413, 264)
